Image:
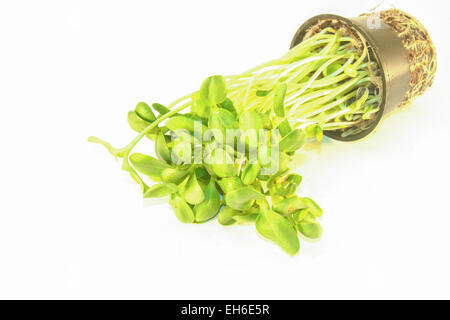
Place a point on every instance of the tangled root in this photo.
(420, 48)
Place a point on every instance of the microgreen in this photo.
(208, 208)
(242, 199)
(277, 228)
(160, 190)
(182, 210)
(323, 84)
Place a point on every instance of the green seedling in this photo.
(160, 190)
(325, 83)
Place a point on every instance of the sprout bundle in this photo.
(225, 150)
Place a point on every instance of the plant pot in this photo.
(387, 50)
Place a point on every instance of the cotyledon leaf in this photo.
(278, 103)
(284, 127)
(293, 141)
(145, 112)
(310, 230)
(228, 105)
(162, 110)
(161, 148)
(222, 164)
(213, 90)
(304, 216)
(246, 218)
(242, 199)
(289, 205)
(173, 175)
(267, 122)
(160, 190)
(148, 165)
(318, 133)
(189, 124)
(209, 208)
(138, 124)
(312, 206)
(182, 210)
(276, 228)
(250, 173)
(285, 186)
(200, 109)
(222, 120)
(226, 216)
(229, 184)
(262, 93)
(191, 190)
(251, 120)
(251, 124)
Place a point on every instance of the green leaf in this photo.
(138, 124)
(278, 229)
(293, 141)
(191, 191)
(304, 215)
(148, 165)
(318, 133)
(229, 184)
(243, 199)
(202, 173)
(265, 155)
(172, 175)
(267, 123)
(285, 186)
(250, 173)
(160, 190)
(200, 109)
(251, 124)
(332, 68)
(278, 103)
(144, 111)
(182, 210)
(310, 230)
(223, 120)
(284, 127)
(312, 206)
(213, 90)
(262, 93)
(226, 216)
(273, 179)
(227, 104)
(222, 163)
(251, 119)
(314, 131)
(185, 123)
(257, 185)
(182, 147)
(289, 205)
(246, 218)
(161, 149)
(209, 208)
(160, 108)
(192, 115)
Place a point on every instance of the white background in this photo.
(73, 225)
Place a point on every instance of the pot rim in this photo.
(387, 76)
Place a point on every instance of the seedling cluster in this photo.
(225, 150)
